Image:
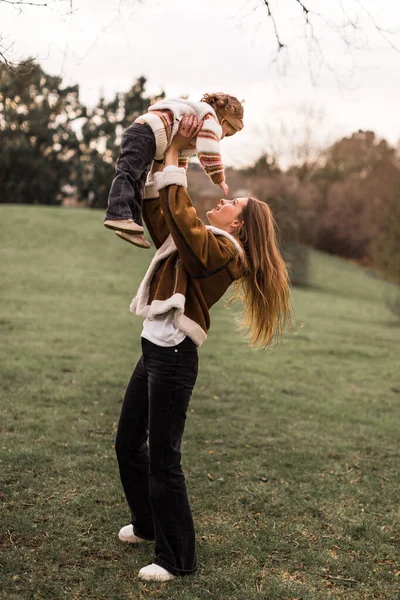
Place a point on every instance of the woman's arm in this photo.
(200, 250)
(151, 209)
(151, 206)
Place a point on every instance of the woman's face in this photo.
(226, 213)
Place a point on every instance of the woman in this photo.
(193, 267)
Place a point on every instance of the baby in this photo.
(147, 139)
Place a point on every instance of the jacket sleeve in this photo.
(153, 215)
(201, 252)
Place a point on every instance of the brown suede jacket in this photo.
(194, 264)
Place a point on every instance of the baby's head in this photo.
(229, 111)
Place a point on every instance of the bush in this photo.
(297, 259)
(384, 248)
(393, 303)
(289, 203)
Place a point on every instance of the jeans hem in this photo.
(144, 537)
(173, 570)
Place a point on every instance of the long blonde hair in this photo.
(264, 285)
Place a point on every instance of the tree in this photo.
(357, 177)
(359, 153)
(266, 164)
(39, 148)
(346, 202)
(51, 145)
(384, 248)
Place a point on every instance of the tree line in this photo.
(346, 201)
(52, 145)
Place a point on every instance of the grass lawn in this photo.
(291, 456)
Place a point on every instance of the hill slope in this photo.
(291, 456)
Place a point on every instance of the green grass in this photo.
(291, 456)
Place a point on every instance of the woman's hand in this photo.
(188, 130)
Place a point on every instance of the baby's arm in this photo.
(183, 162)
(208, 151)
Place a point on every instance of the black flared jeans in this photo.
(148, 447)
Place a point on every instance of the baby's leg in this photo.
(124, 201)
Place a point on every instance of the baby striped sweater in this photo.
(164, 118)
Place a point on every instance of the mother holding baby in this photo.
(193, 267)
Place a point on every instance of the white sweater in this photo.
(207, 141)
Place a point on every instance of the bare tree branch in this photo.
(25, 3)
(379, 29)
(19, 5)
(12, 66)
(305, 10)
(349, 24)
(280, 44)
(350, 29)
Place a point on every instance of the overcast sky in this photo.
(349, 81)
